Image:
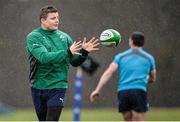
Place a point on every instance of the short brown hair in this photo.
(138, 38)
(45, 10)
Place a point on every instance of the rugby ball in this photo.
(110, 38)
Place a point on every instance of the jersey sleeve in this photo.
(77, 59)
(39, 51)
(116, 59)
(153, 64)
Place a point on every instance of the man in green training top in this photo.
(50, 51)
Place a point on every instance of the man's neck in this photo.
(136, 47)
(44, 28)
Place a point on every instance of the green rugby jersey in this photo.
(49, 58)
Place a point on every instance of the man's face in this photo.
(51, 22)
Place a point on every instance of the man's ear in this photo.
(42, 20)
(130, 41)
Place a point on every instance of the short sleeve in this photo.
(117, 59)
(153, 64)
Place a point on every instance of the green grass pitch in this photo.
(100, 114)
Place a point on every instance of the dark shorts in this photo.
(44, 99)
(133, 100)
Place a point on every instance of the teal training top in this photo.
(49, 57)
(134, 67)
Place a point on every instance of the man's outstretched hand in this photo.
(75, 47)
(91, 45)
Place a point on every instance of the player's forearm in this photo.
(151, 80)
(152, 77)
(103, 80)
(78, 59)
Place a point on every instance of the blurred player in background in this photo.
(136, 69)
(50, 51)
